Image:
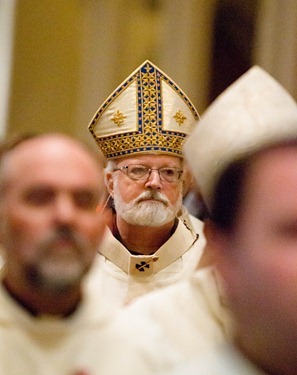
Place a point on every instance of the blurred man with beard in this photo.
(152, 241)
(50, 230)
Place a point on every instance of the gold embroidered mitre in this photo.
(147, 113)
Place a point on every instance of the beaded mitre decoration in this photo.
(147, 113)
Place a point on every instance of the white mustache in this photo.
(152, 195)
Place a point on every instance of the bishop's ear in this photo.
(109, 182)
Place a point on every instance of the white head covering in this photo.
(253, 112)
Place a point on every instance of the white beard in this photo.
(146, 213)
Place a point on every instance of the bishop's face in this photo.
(150, 201)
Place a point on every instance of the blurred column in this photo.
(276, 41)
(7, 14)
(45, 66)
(118, 36)
(101, 57)
(186, 45)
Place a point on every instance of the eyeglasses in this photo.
(143, 172)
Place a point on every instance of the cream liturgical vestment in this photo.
(178, 323)
(82, 343)
(120, 277)
(224, 360)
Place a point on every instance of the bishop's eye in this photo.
(137, 171)
(170, 174)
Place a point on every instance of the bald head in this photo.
(50, 154)
(51, 187)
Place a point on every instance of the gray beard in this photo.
(55, 278)
(147, 213)
(57, 271)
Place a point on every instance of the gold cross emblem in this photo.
(118, 118)
(179, 117)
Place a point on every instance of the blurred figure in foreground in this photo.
(254, 245)
(255, 252)
(50, 231)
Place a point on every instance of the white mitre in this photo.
(253, 112)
